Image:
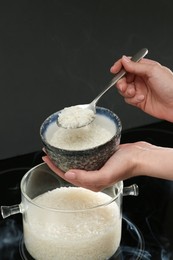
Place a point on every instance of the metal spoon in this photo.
(92, 106)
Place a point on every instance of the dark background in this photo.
(58, 53)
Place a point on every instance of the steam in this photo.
(10, 235)
(165, 255)
(163, 243)
(134, 253)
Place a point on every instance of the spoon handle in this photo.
(137, 57)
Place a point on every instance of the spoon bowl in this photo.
(75, 119)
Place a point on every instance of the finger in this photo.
(116, 66)
(148, 61)
(80, 178)
(142, 68)
(99, 179)
(130, 91)
(44, 150)
(127, 91)
(120, 63)
(93, 180)
(121, 85)
(137, 100)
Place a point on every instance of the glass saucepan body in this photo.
(61, 221)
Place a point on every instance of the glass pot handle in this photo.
(132, 190)
(7, 211)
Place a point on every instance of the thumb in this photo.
(137, 68)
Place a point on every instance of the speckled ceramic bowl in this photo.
(89, 159)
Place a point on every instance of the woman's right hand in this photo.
(147, 85)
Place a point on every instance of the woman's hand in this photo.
(130, 160)
(123, 164)
(147, 85)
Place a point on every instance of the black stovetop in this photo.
(147, 231)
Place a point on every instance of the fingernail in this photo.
(112, 68)
(70, 175)
(125, 58)
(140, 98)
(43, 149)
(120, 87)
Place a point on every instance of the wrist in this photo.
(154, 161)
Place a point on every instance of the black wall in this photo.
(58, 53)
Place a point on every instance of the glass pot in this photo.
(75, 223)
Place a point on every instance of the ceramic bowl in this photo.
(88, 159)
